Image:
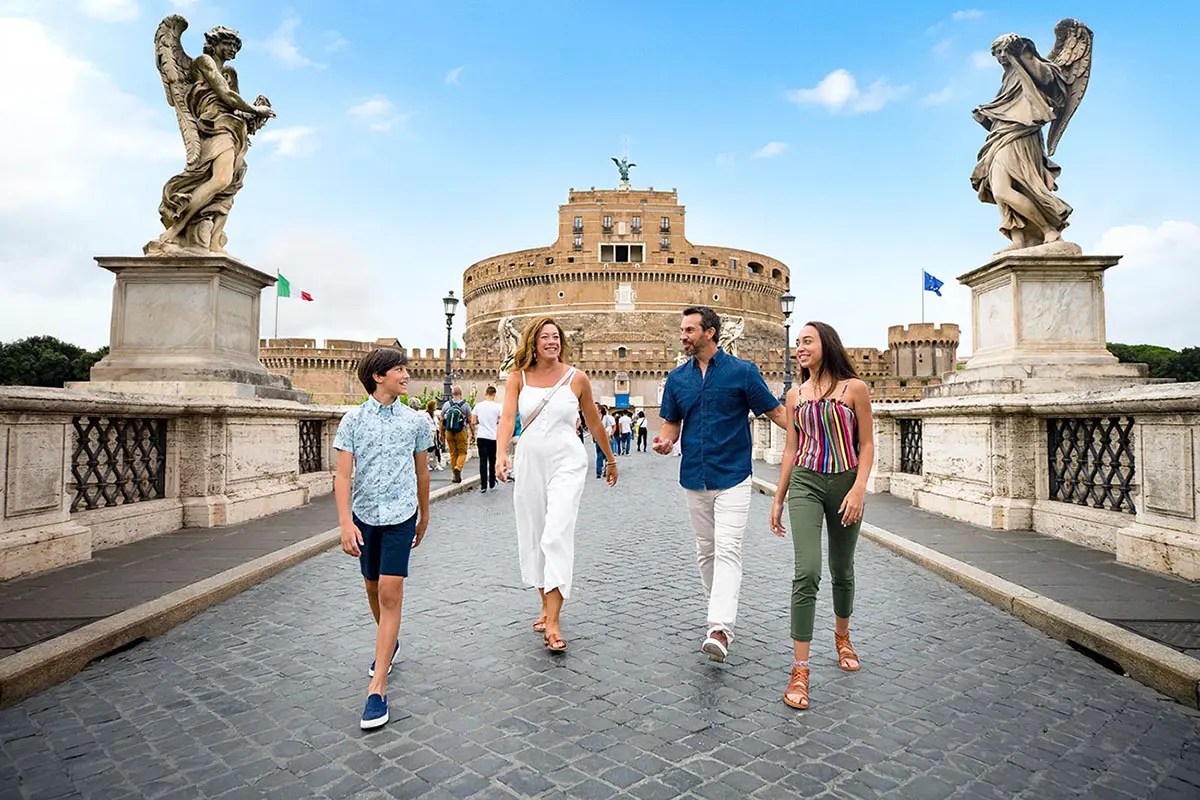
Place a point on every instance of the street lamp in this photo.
(788, 303)
(449, 303)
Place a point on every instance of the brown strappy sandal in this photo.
(846, 653)
(555, 643)
(539, 624)
(798, 688)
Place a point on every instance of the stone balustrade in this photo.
(84, 470)
(1111, 469)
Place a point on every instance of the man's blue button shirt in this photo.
(714, 409)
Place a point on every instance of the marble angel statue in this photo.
(1014, 169)
(732, 329)
(216, 124)
(510, 337)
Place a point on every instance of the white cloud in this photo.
(982, 59)
(334, 42)
(452, 77)
(110, 10)
(290, 142)
(378, 114)
(282, 45)
(937, 98)
(1151, 297)
(838, 91)
(970, 13)
(942, 48)
(770, 150)
(76, 183)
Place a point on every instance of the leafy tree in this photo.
(1187, 366)
(45, 361)
(1182, 365)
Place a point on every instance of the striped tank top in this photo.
(828, 435)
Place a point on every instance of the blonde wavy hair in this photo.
(526, 355)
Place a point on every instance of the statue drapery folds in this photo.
(1014, 169)
(216, 124)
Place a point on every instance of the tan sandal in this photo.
(797, 688)
(846, 653)
(539, 624)
(555, 643)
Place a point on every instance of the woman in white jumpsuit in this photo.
(554, 464)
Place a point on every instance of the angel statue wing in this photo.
(175, 66)
(1073, 54)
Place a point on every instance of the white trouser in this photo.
(719, 522)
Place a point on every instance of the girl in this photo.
(826, 461)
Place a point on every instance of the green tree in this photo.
(1187, 366)
(45, 361)
(1161, 360)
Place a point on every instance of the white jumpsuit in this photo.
(553, 471)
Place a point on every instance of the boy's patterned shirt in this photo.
(383, 440)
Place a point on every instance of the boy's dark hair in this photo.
(489, 391)
(708, 319)
(378, 362)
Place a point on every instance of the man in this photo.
(610, 425)
(457, 420)
(711, 397)
(625, 428)
(487, 420)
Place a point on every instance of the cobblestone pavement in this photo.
(260, 696)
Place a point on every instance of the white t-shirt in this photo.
(609, 424)
(487, 419)
(625, 424)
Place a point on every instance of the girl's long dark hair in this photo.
(835, 362)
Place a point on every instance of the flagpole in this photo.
(922, 296)
(277, 310)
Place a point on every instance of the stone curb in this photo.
(37, 668)
(1148, 662)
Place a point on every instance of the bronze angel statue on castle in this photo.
(216, 124)
(1014, 169)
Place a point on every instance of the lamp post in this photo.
(788, 303)
(449, 303)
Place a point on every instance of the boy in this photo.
(384, 513)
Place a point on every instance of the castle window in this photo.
(776, 274)
(621, 228)
(664, 243)
(694, 261)
(607, 224)
(570, 259)
(712, 263)
(549, 260)
(670, 260)
(664, 225)
(561, 295)
(755, 268)
(622, 353)
(637, 224)
(578, 241)
(579, 224)
(622, 253)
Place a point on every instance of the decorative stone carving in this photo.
(509, 338)
(732, 329)
(216, 124)
(1014, 170)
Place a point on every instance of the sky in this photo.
(416, 138)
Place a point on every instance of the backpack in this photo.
(456, 420)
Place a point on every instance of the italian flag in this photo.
(283, 288)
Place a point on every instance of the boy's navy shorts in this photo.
(386, 548)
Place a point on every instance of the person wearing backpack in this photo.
(457, 422)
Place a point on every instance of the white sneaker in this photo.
(717, 646)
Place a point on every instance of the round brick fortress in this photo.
(618, 275)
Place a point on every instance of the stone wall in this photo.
(1122, 475)
(81, 471)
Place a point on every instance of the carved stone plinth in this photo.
(1037, 322)
(186, 326)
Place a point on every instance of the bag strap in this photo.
(525, 423)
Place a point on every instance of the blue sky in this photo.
(413, 139)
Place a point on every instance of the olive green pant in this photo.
(814, 497)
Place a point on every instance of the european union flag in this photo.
(932, 284)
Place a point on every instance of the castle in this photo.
(616, 278)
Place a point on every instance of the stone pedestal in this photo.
(1037, 323)
(187, 326)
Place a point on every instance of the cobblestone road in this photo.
(260, 696)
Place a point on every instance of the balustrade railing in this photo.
(1090, 461)
(118, 460)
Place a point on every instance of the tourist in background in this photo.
(457, 422)
(487, 421)
(828, 455)
(381, 490)
(549, 394)
(610, 432)
(642, 430)
(709, 398)
(436, 449)
(625, 430)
